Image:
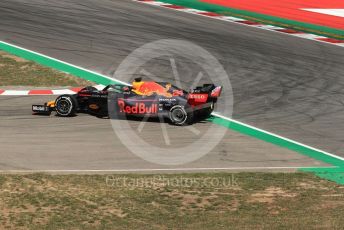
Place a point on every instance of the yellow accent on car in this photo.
(93, 106)
(51, 104)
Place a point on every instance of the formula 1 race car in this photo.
(151, 99)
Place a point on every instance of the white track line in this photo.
(278, 136)
(215, 114)
(62, 91)
(38, 92)
(63, 62)
(160, 169)
(235, 20)
(15, 93)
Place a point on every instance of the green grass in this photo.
(15, 71)
(244, 200)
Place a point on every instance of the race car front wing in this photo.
(42, 109)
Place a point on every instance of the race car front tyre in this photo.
(66, 106)
(180, 116)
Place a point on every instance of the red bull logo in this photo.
(137, 108)
(149, 88)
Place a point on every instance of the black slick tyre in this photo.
(180, 116)
(66, 106)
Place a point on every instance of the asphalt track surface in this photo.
(286, 85)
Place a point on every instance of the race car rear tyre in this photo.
(66, 106)
(180, 116)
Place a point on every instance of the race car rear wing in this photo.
(216, 92)
(204, 94)
(210, 89)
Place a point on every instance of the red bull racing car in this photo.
(153, 99)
